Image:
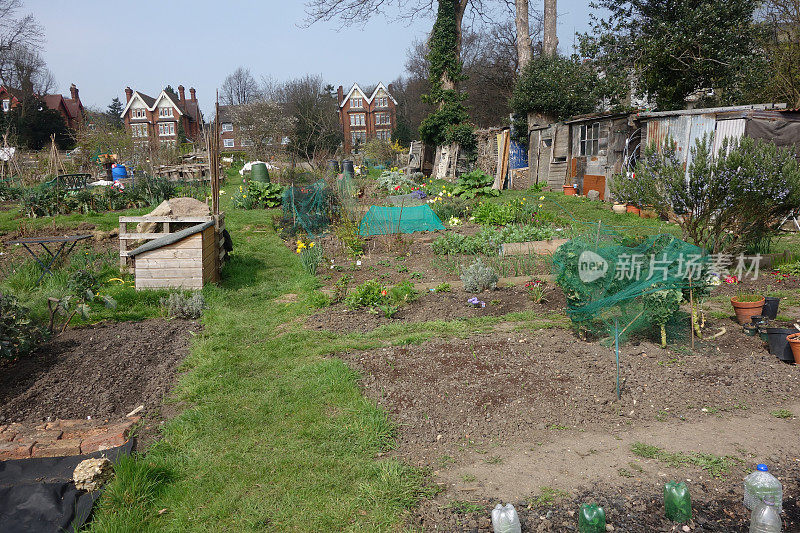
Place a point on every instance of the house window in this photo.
(357, 102)
(166, 129)
(382, 118)
(384, 135)
(357, 119)
(227, 126)
(6, 105)
(139, 130)
(165, 112)
(382, 102)
(359, 137)
(139, 113)
(229, 143)
(590, 139)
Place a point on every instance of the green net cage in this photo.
(384, 220)
(307, 208)
(619, 287)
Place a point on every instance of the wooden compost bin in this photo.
(187, 259)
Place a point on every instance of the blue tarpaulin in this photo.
(381, 220)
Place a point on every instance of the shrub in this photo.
(726, 202)
(403, 292)
(491, 214)
(368, 294)
(340, 288)
(475, 183)
(442, 287)
(179, 305)
(478, 277)
(448, 207)
(19, 335)
(393, 180)
(257, 195)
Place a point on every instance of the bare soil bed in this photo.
(495, 416)
(103, 371)
(433, 306)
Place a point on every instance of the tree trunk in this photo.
(460, 7)
(524, 47)
(550, 40)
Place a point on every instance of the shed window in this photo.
(590, 139)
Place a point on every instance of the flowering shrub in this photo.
(726, 202)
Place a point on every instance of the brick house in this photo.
(159, 119)
(69, 108)
(230, 138)
(366, 117)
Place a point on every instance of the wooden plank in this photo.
(168, 284)
(188, 242)
(534, 247)
(174, 253)
(123, 246)
(168, 273)
(166, 219)
(165, 263)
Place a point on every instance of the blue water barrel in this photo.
(119, 172)
(517, 155)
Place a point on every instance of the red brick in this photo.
(59, 448)
(43, 436)
(15, 450)
(109, 439)
(7, 435)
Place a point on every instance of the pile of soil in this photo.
(635, 507)
(433, 306)
(490, 388)
(103, 371)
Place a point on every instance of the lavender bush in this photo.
(728, 202)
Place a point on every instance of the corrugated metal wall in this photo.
(733, 129)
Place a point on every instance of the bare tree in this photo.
(783, 49)
(550, 41)
(239, 88)
(524, 46)
(17, 32)
(264, 124)
(26, 69)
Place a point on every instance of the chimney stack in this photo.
(193, 94)
(340, 94)
(181, 93)
(73, 91)
(128, 94)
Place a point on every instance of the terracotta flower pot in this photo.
(619, 208)
(794, 342)
(632, 209)
(570, 190)
(746, 310)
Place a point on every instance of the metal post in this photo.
(616, 350)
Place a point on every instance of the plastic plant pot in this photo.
(746, 310)
(759, 320)
(762, 332)
(794, 344)
(770, 309)
(778, 345)
(750, 330)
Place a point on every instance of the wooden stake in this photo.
(691, 317)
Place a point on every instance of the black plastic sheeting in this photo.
(37, 495)
(782, 132)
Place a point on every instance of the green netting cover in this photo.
(630, 285)
(307, 207)
(381, 220)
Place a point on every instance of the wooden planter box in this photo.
(187, 259)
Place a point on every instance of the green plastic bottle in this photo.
(592, 519)
(677, 502)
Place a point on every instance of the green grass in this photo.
(465, 507)
(548, 496)
(715, 465)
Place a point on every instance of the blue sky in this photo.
(103, 46)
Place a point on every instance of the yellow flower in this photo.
(540, 205)
(244, 196)
(541, 198)
(311, 245)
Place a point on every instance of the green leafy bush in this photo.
(447, 207)
(403, 292)
(393, 180)
(19, 335)
(368, 294)
(491, 214)
(179, 305)
(478, 277)
(257, 195)
(475, 183)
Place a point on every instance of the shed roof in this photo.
(712, 110)
(170, 238)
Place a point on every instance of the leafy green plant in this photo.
(488, 240)
(368, 294)
(347, 233)
(782, 413)
(478, 277)
(661, 306)
(388, 310)
(394, 180)
(310, 255)
(179, 305)
(443, 287)
(340, 288)
(19, 335)
(82, 285)
(475, 183)
(403, 292)
(257, 195)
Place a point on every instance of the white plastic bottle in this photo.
(765, 518)
(505, 519)
(760, 484)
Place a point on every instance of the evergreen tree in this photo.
(114, 113)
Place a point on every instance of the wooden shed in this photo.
(187, 259)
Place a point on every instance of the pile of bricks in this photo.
(62, 437)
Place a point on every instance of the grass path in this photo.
(274, 435)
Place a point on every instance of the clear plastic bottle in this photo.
(760, 484)
(765, 517)
(505, 519)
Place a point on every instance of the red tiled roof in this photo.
(54, 101)
(73, 107)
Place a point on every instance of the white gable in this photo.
(165, 100)
(380, 90)
(355, 91)
(136, 102)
